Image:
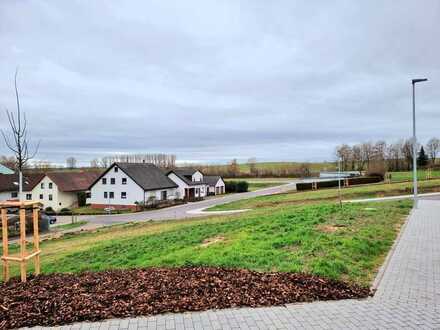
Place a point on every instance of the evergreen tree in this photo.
(422, 159)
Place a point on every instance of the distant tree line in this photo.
(397, 156)
(160, 160)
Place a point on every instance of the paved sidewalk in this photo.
(408, 295)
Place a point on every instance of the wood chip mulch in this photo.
(57, 299)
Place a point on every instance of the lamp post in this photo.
(414, 140)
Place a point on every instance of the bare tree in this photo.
(343, 153)
(7, 161)
(407, 153)
(252, 162)
(433, 147)
(18, 139)
(394, 155)
(233, 169)
(42, 165)
(94, 163)
(71, 162)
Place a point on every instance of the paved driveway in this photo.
(177, 212)
(408, 295)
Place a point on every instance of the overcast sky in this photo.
(214, 80)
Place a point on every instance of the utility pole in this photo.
(414, 141)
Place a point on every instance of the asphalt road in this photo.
(176, 212)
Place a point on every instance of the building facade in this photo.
(126, 185)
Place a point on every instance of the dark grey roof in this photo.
(186, 176)
(147, 176)
(185, 171)
(211, 180)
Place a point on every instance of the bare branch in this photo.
(19, 143)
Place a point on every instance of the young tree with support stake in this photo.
(18, 139)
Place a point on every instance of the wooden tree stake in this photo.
(23, 257)
(5, 244)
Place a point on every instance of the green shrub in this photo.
(242, 186)
(65, 211)
(49, 210)
(82, 199)
(236, 186)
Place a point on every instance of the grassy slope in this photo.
(284, 238)
(315, 167)
(373, 190)
(407, 176)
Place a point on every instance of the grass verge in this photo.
(322, 239)
(68, 226)
(408, 175)
(372, 190)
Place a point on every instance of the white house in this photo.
(9, 185)
(214, 184)
(61, 189)
(123, 185)
(191, 184)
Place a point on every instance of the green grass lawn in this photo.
(408, 176)
(87, 210)
(371, 190)
(70, 225)
(315, 167)
(321, 239)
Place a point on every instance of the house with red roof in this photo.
(61, 189)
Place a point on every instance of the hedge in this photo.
(334, 183)
(236, 186)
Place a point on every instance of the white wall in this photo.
(134, 192)
(171, 194)
(197, 176)
(6, 195)
(59, 199)
(220, 183)
(182, 185)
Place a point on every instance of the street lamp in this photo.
(414, 146)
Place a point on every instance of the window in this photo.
(111, 194)
(105, 194)
(28, 197)
(163, 195)
(14, 194)
(124, 180)
(123, 195)
(112, 181)
(50, 185)
(88, 194)
(104, 181)
(41, 196)
(50, 197)
(116, 169)
(42, 185)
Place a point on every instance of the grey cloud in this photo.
(212, 80)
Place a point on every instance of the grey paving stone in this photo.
(408, 295)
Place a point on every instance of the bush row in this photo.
(236, 186)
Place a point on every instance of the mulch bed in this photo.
(57, 299)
